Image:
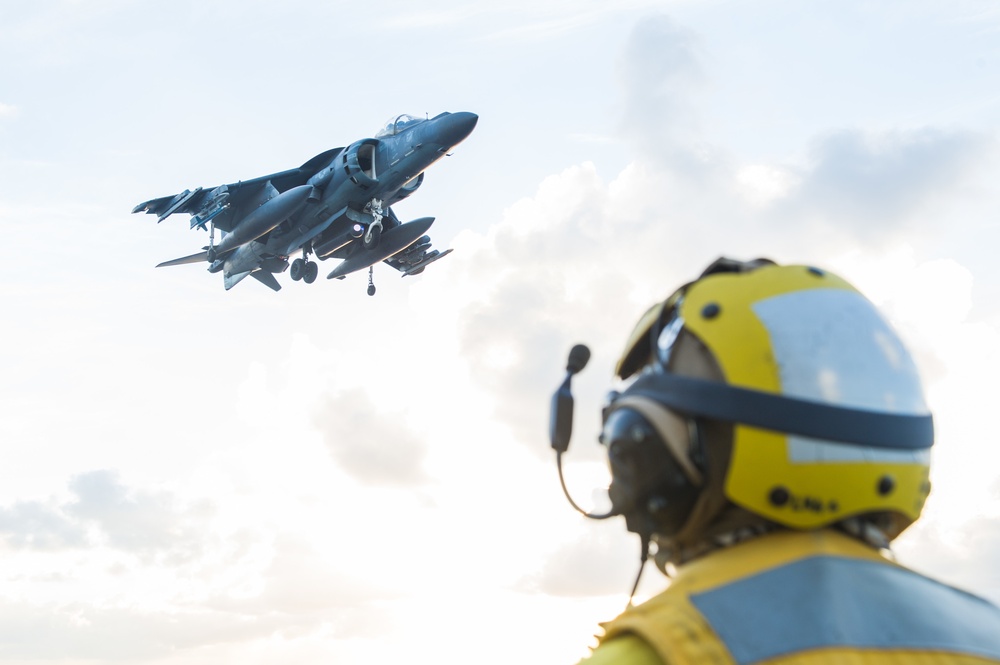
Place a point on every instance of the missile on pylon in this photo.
(430, 258)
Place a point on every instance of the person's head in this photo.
(762, 396)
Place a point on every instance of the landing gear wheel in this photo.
(311, 271)
(371, 282)
(373, 236)
(298, 270)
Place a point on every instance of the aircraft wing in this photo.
(226, 205)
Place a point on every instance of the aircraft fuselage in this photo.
(385, 169)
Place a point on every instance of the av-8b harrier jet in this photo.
(335, 206)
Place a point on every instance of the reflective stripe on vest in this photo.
(829, 601)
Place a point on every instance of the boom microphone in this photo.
(561, 422)
(579, 355)
(561, 414)
(560, 431)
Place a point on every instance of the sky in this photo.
(192, 475)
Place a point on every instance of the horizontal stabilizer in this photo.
(267, 279)
(229, 280)
(194, 258)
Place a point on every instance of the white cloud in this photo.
(662, 73)
(930, 304)
(761, 184)
(139, 521)
(517, 20)
(873, 182)
(36, 525)
(369, 442)
(601, 561)
(129, 520)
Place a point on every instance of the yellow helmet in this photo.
(795, 400)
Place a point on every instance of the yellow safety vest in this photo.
(803, 597)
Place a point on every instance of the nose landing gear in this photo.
(374, 232)
(371, 281)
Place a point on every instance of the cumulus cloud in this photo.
(603, 561)
(236, 590)
(137, 520)
(36, 525)
(302, 583)
(873, 182)
(963, 555)
(522, 20)
(850, 184)
(130, 520)
(78, 631)
(554, 259)
(369, 442)
(662, 74)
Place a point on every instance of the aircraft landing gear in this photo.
(304, 270)
(374, 232)
(371, 281)
(211, 242)
(312, 270)
(373, 235)
(297, 270)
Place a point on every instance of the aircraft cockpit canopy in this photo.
(397, 124)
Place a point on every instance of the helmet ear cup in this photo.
(648, 486)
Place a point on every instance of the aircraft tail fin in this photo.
(267, 279)
(194, 258)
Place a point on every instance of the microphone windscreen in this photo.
(579, 355)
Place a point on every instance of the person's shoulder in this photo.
(627, 648)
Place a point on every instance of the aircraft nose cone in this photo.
(455, 127)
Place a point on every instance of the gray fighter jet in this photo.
(337, 205)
